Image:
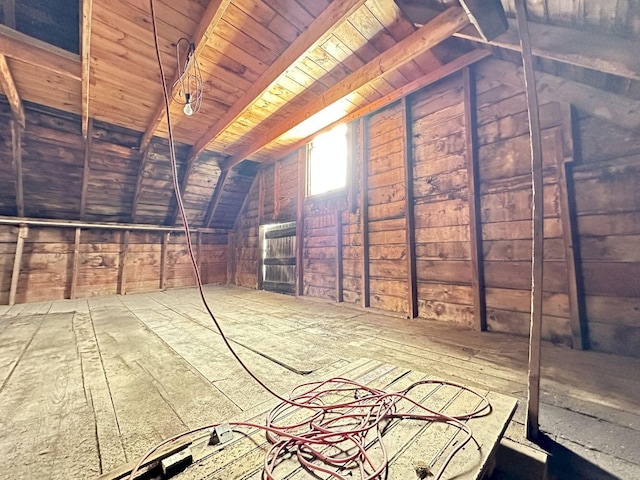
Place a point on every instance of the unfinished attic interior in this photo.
(416, 223)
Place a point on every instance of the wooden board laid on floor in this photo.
(411, 444)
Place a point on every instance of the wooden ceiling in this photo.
(265, 63)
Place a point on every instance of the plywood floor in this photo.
(86, 385)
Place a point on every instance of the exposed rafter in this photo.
(487, 16)
(184, 181)
(444, 71)
(140, 178)
(16, 143)
(212, 15)
(605, 53)
(318, 31)
(427, 36)
(622, 111)
(21, 47)
(10, 91)
(215, 199)
(87, 7)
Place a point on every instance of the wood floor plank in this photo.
(49, 432)
(98, 392)
(15, 338)
(155, 393)
(206, 353)
(165, 369)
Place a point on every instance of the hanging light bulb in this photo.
(188, 109)
(188, 88)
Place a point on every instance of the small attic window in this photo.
(54, 22)
(327, 162)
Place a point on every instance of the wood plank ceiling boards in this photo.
(426, 37)
(208, 23)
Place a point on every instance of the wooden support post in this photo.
(199, 252)
(261, 255)
(535, 335)
(16, 143)
(17, 262)
(579, 326)
(85, 41)
(412, 277)
(276, 190)
(261, 196)
(363, 150)
(163, 260)
(122, 278)
(86, 171)
(302, 192)
(475, 220)
(339, 269)
(75, 265)
(231, 258)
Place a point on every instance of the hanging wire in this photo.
(343, 416)
(188, 88)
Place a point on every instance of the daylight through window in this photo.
(327, 166)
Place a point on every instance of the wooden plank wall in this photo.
(386, 207)
(47, 262)
(246, 243)
(607, 202)
(442, 208)
(505, 189)
(319, 253)
(604, 208)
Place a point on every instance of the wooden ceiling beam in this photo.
(87, 7)
(215, 200)
(212, 15)
(11, 92)
(605, 53)
(138, 191)
(320, 28)
(487, 16)
(444, 71)
(617, 109)
(19, 46)
(427, 36)
(335, 13)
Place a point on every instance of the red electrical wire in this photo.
(335, 437)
